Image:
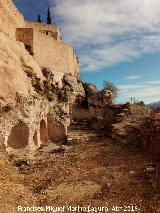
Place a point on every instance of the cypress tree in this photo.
(49, 20)
(39, 18)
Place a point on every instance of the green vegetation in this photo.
(49, 20)
(39, 18)
(111, 87)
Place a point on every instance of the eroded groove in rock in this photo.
(43, 131)
(35, 139)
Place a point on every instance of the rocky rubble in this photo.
(13, 192)
(73, 85)
(140, 127)
(98, 98)
(149, 131)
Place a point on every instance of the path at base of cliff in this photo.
(93, 173)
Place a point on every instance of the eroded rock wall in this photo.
(39, 84)
(94, 106)
(10, 18)
(23, 109)
(33, 109)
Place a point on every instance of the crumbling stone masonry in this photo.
(25, 35)
(45, 43)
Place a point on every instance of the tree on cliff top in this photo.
(39, 18)
(111, 87)
(49, 20)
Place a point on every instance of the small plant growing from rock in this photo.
(49, 20)
(39, 18)
(47, 73)
(50, 96)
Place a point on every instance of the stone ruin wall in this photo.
(10, 18)
(99, 117)
(96, 104)
(25, 35)
(47, 29)
(56, 55)
(44, 42)
(79, 113)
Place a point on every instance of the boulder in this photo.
(90, 89)
(72, 83)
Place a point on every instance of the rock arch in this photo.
(19, 136)
(43, 131)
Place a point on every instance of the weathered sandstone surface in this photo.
(10, 18)
(94, 104)
(34, 102)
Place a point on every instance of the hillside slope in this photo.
(154, 105)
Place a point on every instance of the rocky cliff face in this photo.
(94, 105)
(28, 100)
(10, 18)
(33, 106)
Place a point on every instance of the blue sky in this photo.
(115, 40)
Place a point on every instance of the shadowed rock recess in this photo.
(62, 141)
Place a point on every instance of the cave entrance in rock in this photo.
(43, 131)
(19, 136)
(56, 132)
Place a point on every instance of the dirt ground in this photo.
(98, 172)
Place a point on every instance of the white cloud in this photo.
(133, 77)
(140, 91)
(107, 32)
(154, 82)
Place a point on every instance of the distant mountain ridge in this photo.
(154, 105)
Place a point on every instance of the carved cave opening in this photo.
(19, 136)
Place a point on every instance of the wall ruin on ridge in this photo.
(56, 55)
(25, 35)
(45, 43)
(46, 29)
